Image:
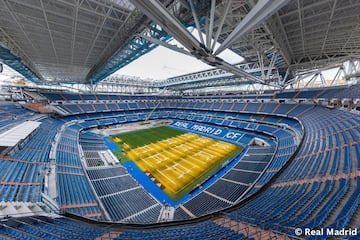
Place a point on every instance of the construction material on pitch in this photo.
(175, 160)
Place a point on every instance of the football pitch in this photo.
(175, 160)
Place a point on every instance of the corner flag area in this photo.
(175, 160)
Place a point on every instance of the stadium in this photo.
(263, 143)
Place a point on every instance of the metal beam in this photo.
(211, 24)
(272, 63)
(212, 76)
(220, 26)
(49, 30)
(165, 44)
(337, 76)
(357, 28)
(197, 24)
(301, 26)
(97, 35)
(261, 11)
(279, 38)
(328, 26)
(158, 13)
(74, 26)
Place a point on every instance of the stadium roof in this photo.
(72, 41)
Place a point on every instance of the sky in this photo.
(162, 63)
(6, 75)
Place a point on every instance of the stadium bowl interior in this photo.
(267, 148)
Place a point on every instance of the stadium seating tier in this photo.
(321, 178)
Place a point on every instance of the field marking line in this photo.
(190, 155)
(161, 173)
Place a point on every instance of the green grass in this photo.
(121, 157)
(143, 137)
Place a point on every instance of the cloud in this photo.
(162, 63)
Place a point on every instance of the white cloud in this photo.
(162, 63)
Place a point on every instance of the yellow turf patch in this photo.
(177, 163)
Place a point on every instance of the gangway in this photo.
(146, 121)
